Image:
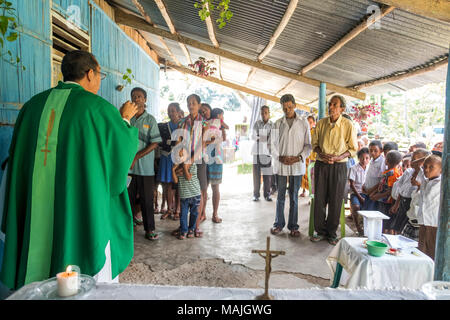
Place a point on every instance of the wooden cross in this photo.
(51, 121)
(268, 257)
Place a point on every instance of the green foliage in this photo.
(128, 77)
(222, 5)
(8, 25)
(244, 168)
(408, 115)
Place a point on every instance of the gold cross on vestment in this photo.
(51, 121)
(269, 254)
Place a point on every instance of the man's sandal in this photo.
(294, 233)
(333, 241)
(151, 236)
(190, 234)
(182, 236)
(165, 215)
(317, 238)
(275, 230)
(176, 232)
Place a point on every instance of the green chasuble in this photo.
(66, 194)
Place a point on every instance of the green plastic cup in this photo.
(376, 248)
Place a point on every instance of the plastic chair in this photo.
(311, 208)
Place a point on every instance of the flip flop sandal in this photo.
(295, 233)
(316, 238)
(332, 241)
(182, 236)
(216, 220)
(175, 217)
(151, 236)
(275, 230)
(165, 215)
(198, 233)
(190, 234)
(138, 221)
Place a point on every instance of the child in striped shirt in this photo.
(190, 196)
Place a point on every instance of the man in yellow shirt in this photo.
(334, 141)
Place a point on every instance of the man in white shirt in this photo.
(261, 155)
(290, 143)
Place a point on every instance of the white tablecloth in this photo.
(155, 292)
(388, 271)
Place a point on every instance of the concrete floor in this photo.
(245, 226)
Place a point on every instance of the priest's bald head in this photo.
(82, 67)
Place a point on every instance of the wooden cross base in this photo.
(268, 257)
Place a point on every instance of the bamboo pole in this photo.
(367, 22)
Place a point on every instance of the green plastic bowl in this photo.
(376, 248)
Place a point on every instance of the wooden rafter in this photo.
(402, 75)
(283, 23)
(281, 26)
(367, 22)
(233, 86)
(163, 9)
(141, 24)
(436, 9)
(147, 18)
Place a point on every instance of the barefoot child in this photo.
(190, 196)
(356, 179)
(429, 197)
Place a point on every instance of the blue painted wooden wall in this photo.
(114, 50)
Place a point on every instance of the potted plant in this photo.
(202, 67)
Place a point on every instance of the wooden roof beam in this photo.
(147, 18)
(141, 24)
(283, 23)
(281, 26)
(162, 8)
(367, 22)
(402, 75)
(233, 86)
(436, 9)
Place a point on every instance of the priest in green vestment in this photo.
(66, 201)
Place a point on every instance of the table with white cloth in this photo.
(362, 270)
(122, 291)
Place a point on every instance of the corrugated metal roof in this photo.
(404, 41)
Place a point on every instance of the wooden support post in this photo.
(442, 256)
(322, 100)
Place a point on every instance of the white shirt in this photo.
(358, 175)
(429, 200)
(260, 135)
(403, 186)
(374, 173)
(293, 141)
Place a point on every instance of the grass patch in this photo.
(245, 168)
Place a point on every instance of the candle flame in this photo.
(69, 269)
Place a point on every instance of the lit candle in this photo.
(67, 282)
